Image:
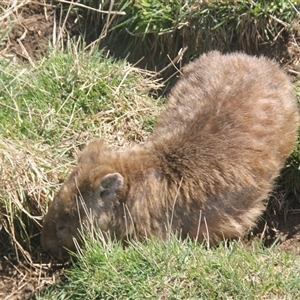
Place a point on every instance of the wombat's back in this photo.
(233, 96)
(232, 101)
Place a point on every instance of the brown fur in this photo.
(206, 171)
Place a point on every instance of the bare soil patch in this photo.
(289, 232)
(32, 26)
(281, 230)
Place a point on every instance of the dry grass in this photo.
(30, 179)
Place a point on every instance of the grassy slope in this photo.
(56, 99)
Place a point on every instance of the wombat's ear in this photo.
(109, 185)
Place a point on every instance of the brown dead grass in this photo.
(27, 169)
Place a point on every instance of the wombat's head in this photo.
(90, 190)
(60, 226)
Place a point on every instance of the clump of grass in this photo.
(159, 31)
(30, 173)
(178, 270)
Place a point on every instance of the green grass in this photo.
(179, 270)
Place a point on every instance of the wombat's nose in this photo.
(60, 254)
(56, 251)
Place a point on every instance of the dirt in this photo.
(20, 280)
(289, 232)
(282, 231)
(31, 30)
(33, 27)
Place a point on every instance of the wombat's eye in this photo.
(104, 193)
(60, 227)
(62, 231)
